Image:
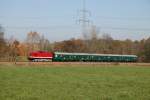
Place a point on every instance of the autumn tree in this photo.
(146, 51)
(13, 49)
(72, 45)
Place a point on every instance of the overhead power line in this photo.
(125, 28)
(137, 18)
(74, 27)
(32, 17)
(125, 18)
(40, 27)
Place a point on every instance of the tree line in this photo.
(12, 48)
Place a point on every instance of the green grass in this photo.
(75, 82)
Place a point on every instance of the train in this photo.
(40, 56)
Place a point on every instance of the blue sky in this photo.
(57, 19)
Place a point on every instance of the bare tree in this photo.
(94, 33)
(93, 40)
(33, 40)
(3, 44)
(1, 33)
(44, 44)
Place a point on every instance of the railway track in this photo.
(74, 63)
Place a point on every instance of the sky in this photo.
(57, 20)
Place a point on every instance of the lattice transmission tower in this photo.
(84, 19)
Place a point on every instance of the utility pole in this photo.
(84, 20)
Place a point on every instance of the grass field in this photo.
(74, 82)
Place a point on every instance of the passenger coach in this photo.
(86, 57)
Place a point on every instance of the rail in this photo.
(74, 63)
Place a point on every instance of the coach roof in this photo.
(63, 53)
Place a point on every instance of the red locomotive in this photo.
(40, 56)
